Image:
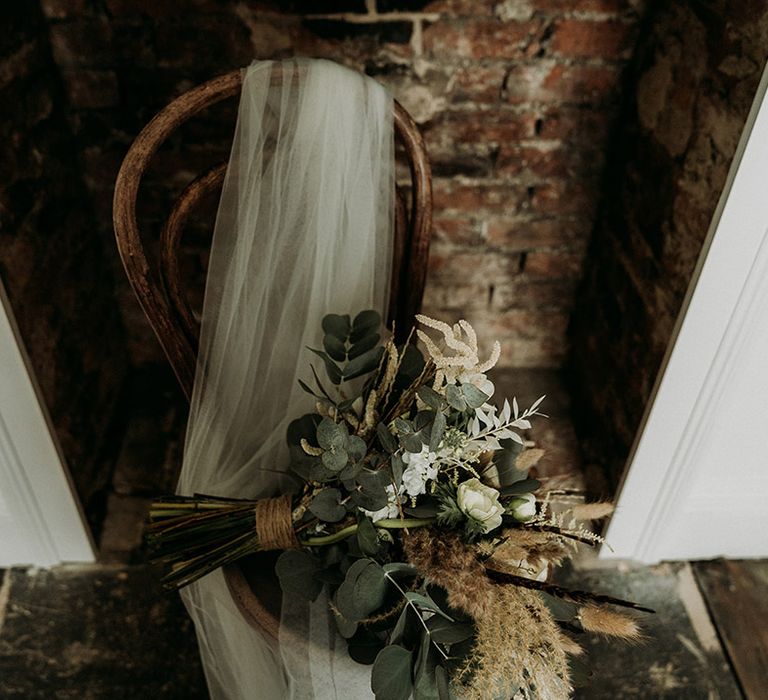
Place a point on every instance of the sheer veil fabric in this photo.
(304, 228)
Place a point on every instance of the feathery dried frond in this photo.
(602, 620)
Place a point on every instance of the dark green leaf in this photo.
(423, 510)
(335, 460)
(473, 396)
(430, 397)
(446, 632)
(363, 591)
(411, 364)
(335, 347)
(356, 447)
(424, 602)
(443, 687)
(331, 368)
(412, 443)
(455, 398)
(367, 537)
(306, 388)
(396, 465)
(365, 322)
(347, 628)
(325, 505)
(391, 674)
(403, 426)
(297, 572)
(364, 646)
(331, 435)
(353, 468)
(400, 568)
(369, 500)
(424, 686)
(338, 326)
(363, 345)
(436, 435)
(505, 463)
(386, 438)
(304, 427)
(367, 362)
(423, 419)
(518, 487)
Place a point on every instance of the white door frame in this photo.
(41, 523)
(727, 294)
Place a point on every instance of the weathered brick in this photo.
(553, 264)
(484, 128)
(523, 234)
(571, 123)
(545, 82)
(536, 160)
(457, 230)
(479, 39)
(473, 196)
(577, 38)
(91, 89)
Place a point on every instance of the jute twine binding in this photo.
(274, 525)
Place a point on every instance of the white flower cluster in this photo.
(421, 468)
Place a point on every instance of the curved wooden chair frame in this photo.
(165, 304)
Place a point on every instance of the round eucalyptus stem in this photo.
(394, 524)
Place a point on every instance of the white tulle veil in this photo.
(304, 228)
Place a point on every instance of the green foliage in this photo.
(326, 506)
(448, 512)
(391, 674)
(363, 590)
(297, 571)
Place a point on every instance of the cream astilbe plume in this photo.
(466, 358)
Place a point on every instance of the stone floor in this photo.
(107, 630)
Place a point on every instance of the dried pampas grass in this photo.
(602, 620)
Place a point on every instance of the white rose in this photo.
(414, 481)
(481, 503)
(523, 507)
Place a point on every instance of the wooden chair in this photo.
(163, 300)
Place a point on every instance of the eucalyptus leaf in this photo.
(397, 467)
(423, 419)
(336, 325)
(297, 570)
(335, 347)
(424, 685)
(335, 460)
(367, 537)
(447, 632)
(325, 505)
(430, 397)
(441, 680)
(522, 486)
(505, 461)
(365, 322)
(362, 364)
(347, 628)
(369, 500)
(455, 398)
(473, 396)
(331, 368)
(391, 674)
(412, 443)
(438, 429)
(304, 427)
(331, 435)
(356, 447)
(364, 646)
(363, 345)
(425, 603)
(400, 568)
(386, 438)
(310, 391)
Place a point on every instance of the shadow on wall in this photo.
(690, 86)
(52, 258)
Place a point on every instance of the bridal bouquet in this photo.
(415, 515)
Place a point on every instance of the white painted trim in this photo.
(730, 281)
(40, 519)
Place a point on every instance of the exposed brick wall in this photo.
(690, 88)
(51, 259)
(515, 98)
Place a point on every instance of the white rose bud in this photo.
(481, 503)
(523, 508)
